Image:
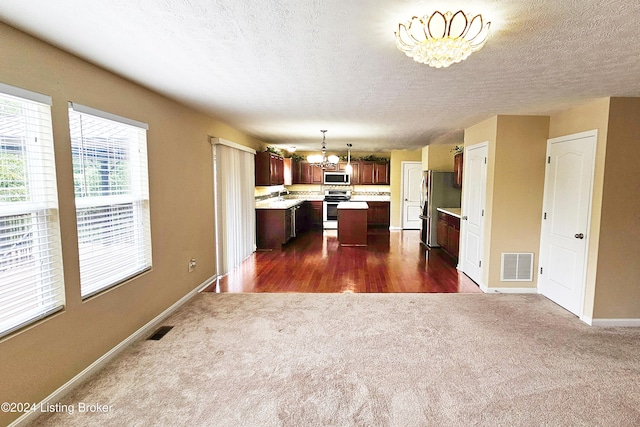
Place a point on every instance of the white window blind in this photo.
(31, 279)
(234, 185)
(112, 197)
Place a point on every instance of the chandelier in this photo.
(442, 39)
(321, 160)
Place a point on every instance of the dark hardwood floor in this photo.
(393, 261)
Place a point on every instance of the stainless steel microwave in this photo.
(337, 178)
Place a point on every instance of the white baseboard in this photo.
(394, 228)
(63, 390)
(488, 290)
(586, 319)
(610, 323)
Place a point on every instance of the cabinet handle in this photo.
(579, 236)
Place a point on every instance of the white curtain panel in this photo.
(235, 206)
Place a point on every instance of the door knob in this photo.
(579, 236)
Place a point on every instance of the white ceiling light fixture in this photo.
(321, 160)
(348, 169)
(442, 39)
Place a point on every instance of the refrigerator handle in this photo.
(422, 183)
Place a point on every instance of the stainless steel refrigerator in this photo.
(437, 191)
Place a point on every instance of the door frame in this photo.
(463, 222)
(580, 135)
(403, 164)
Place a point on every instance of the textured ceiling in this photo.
(281, 70)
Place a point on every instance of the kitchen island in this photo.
(352, 223)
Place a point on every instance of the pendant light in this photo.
(348, 169)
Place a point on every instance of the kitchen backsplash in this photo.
(302, 194)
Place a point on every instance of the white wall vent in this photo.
(516, 267)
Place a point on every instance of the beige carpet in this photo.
(369, 360)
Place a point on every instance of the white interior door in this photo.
(565, 223)
(411, 188)
(474, 189)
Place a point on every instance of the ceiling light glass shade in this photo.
(348, 169)
(314, 158)
(333, 159)
(442, 39)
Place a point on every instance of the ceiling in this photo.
(281, 70)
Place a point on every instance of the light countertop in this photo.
(279, 204)
(353, 205)
(451, 211)
(370, 198)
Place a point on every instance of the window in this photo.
(31, 279)
(112, 197)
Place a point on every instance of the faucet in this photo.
(284, 190)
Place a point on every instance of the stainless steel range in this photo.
(330, 207)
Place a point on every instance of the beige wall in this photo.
(37, 360)
(485, 131)
(617, 292)
(594, 115)
(397, 157)
(518, 188)
(438, 157)
(515, 184)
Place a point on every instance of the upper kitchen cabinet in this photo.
(457, 170)
(374, 173)
(381, 170)
(355, 171)
(269, 169)
(304, 173)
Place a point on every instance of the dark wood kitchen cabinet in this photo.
(373, 173)
(269, 169)
(363, 172)
(366, 173)
(315, 213)
(355, 169)
(381, 171)
(448, 233)
(273, 227)
(304, 173)
(378, 214)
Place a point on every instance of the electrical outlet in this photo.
(192, 264)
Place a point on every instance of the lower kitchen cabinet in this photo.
(315, 213)
(378, 214)
(302, 218)
(274, 227)
(448, 233)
